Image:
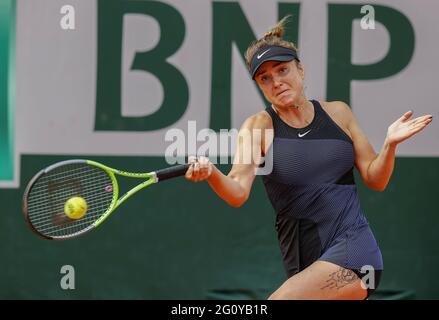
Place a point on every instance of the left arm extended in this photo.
(376, 169)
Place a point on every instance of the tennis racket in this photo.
(49, 190)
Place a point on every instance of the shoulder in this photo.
(339, 111)
(341, 114)
(338, 108)
(260, 120)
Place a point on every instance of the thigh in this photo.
(321, 280)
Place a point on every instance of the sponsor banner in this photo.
(112, 77)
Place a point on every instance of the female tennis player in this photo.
(328, 248)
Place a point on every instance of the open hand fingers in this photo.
(406, 116)
(420, 122)
(402, 129)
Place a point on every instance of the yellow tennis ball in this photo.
(75, 208)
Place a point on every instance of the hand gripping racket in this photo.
(49, 191)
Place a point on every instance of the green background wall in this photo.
(179, 240)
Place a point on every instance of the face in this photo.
(281, 82)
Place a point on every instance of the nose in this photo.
(276, 82)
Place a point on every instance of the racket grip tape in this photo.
(172, 172)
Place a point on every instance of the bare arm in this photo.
(376, 169)
(236, 186)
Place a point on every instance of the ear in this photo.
(300, 68)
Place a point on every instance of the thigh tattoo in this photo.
(340, 278)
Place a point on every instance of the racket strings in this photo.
(59, 178)
(62, 193)
(51, 191)
(56, 223)
(37, 204)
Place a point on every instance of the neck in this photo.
(297, 107)
(302, 103)
(300, 112)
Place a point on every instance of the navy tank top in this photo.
(312, 189)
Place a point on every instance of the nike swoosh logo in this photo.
(260, 55)
(303, 134)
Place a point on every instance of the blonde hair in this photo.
(273, 37)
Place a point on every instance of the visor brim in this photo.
(281, 58)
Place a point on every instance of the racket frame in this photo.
(116, 202)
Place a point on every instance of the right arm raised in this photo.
(236, 186)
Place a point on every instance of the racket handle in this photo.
(172, 172)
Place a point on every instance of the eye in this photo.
(284, 70)
(264, 78)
